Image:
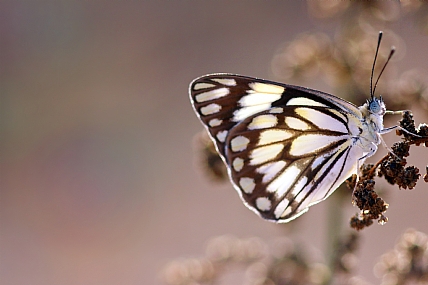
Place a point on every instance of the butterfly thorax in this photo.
(372, 124)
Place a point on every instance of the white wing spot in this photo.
(238, 164)
(327, 165)
(253, 99)
(263, 122)
(280, 208)
(263, 204)
(317, 162)
(329, 183)
(201, 85)
(210, 109)
(225, 81)
(239, 143)
(311, 143)
(297, 189)
(215, 122)
(283, 183)
(265, 153)
(221, 136)
(302, 101)
(245, 112)
(321, 120)
(296, 124)
(266, 88)
(270, 170)
(247, 185)
(273, 136)
(212, 95)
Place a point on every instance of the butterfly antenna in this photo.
(374, 64)
(386, 63)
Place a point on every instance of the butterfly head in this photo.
(376, 106)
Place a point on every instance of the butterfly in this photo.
(285, 147)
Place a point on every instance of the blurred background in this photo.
(99, 181)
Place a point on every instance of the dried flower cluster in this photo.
(426, 174)
(208, 158)
(371, 206)
(345, 65)
(393, 168)
(345, 260)
(283, 262)
(373, 11)
(407, 263)
(344, 60)
(280, 263)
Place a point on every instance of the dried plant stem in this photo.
(334, 228)
(373, 169)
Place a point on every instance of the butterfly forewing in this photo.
(223, 100)
(286, 147)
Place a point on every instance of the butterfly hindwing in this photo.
(286, 159)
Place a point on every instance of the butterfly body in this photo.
(285, 147)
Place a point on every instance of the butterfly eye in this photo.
(376, 106)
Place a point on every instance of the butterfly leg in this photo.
(372, 151)
(410, 133)
(387, 130)
(359, 174)
(360, 161)
(387, 147)
(401, 112)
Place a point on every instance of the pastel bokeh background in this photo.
(98, 181)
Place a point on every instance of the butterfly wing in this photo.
(286, 147)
